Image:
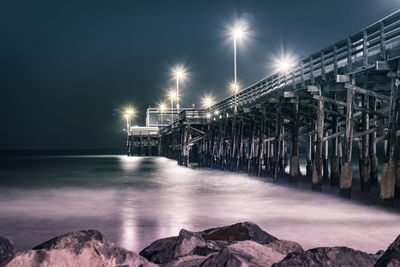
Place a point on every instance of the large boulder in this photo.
(239, 232)
(195, 246)
(244, 253)
(6, 250)
(391, 257)
(83, 248)
(188, 242)
(328, 256)
(284, 246)
(160, 251)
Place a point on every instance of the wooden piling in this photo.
(294, 160)
(318, 163)
(346, 175)
(389, 167)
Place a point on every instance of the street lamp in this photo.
(237, 33)
(172, 97)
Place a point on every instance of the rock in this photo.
(187, 261)
(328, 256)
(391, 257)
(244, 253)
(161, 250)
(192, 248)
(83, 248)
(239, 232)
(187, 242)
(6, 250)
(284, 246)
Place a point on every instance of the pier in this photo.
(339, 101)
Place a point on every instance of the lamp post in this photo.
(162, 107)
(172, 96)
(178, 75)
(128, 116)
(127, 122)
(237, 33)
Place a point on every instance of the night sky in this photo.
(67, 66)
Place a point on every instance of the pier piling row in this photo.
(340, 101)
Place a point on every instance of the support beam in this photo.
(335, 164)
(318, 158)
(365, 168)
(347, 168)
(294, 160)
(389, 168)
(372, 146)
(277, 146)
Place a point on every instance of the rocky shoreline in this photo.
(241, 244)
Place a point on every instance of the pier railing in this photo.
(357, 52)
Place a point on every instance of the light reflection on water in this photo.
(136, 200)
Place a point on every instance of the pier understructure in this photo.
(339, 101)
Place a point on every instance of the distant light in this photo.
(172, 94)
(162, 107)
(216, 112)
(129, 111)
(208, 115)
(208, 101)
(126, 116)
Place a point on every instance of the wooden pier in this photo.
(339, 101)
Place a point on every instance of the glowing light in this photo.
(179, 72)
(285, 64)
(208, 101)
(238, 31)
(234, 87)
(172, 94)
(126, 116)
(130, 111)
(216, 112)
(162, 107)
(208, 115)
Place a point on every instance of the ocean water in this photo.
(136, 200)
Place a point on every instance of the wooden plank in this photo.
(329, 100)
(384, 66)
(365, 48)
(311, 70)
(288, 94)
(335, 61)
(367, 92)
(312, 89)
(342, 78)
(349, 53)
(382, 40)
(323, 66)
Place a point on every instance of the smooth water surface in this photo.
(136, 200)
